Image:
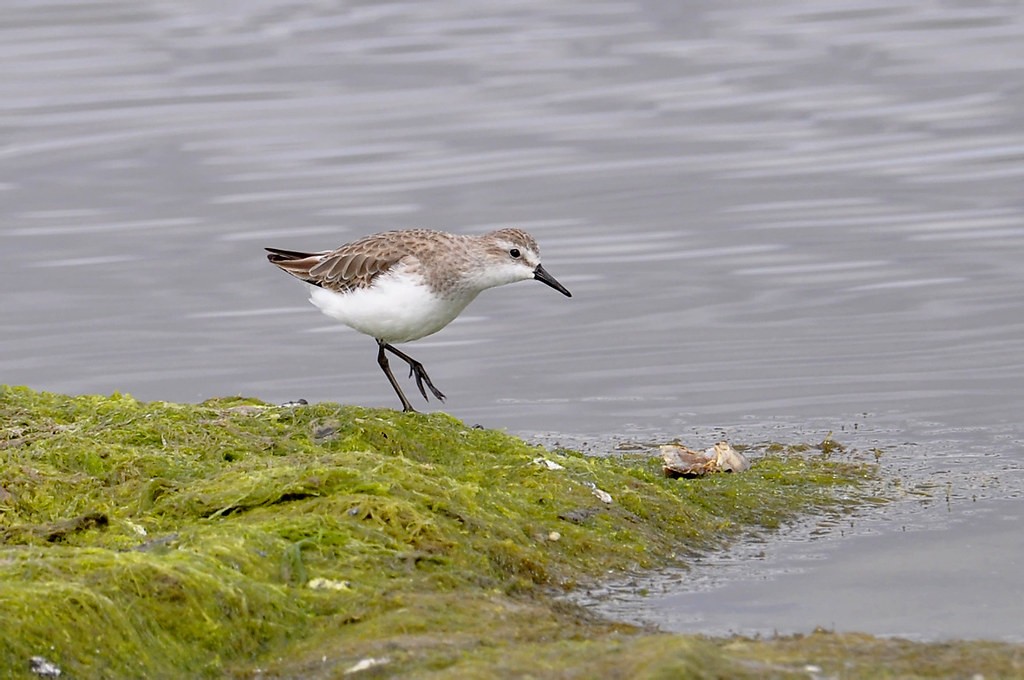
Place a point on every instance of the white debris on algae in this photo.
(679, 461)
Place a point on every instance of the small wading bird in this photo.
(400, 286)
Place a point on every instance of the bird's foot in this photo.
(417, 371)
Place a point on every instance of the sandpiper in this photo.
(399, 286)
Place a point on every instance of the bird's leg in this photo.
(416, 370)
(382, 360)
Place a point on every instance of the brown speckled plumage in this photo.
(357, 264)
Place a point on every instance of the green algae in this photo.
(237, 538)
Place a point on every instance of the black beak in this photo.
(542, 275)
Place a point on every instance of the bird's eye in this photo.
(515, 253)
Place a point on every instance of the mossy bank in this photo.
(234, 538)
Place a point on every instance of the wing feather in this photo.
(353, 265)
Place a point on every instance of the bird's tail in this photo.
(295, 263)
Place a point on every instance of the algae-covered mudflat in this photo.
(237, 538)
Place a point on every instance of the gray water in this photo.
(777, 219)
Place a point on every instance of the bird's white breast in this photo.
(398, 307)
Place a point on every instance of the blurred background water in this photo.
(777, 219)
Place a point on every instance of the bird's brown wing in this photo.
(348, 267)
(353, 265)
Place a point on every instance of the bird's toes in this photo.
(419, 384)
